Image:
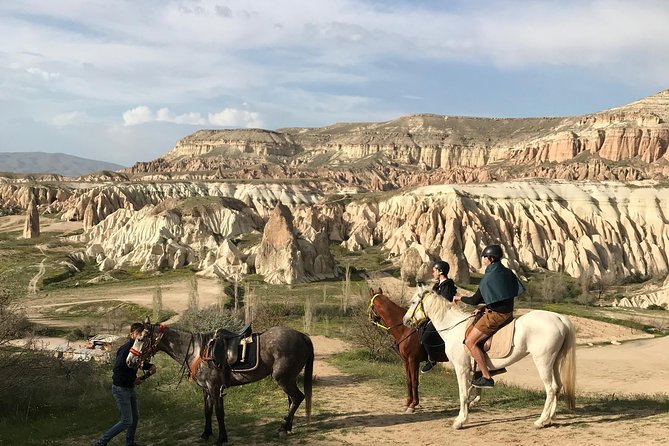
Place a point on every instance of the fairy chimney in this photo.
(31, 227)
(279, 258)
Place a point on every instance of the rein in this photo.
(422, 310)
(457, 323)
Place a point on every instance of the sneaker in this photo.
(478, 374)
(429, 365)
(483, 383)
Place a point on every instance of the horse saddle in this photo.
(500, 344)
(241, 349)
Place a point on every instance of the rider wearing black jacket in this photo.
(430, 339)
(124, 380)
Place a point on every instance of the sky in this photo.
(122, 81)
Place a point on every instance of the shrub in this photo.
(377, 342)
(209, 319)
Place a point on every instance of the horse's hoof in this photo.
(457, 425)
(283, 434)
(409, 411)
(540, 424)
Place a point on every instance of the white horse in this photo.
(549, 337)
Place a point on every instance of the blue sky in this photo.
(122, 81)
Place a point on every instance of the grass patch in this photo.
(77, 410)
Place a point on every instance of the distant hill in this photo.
(58, 163)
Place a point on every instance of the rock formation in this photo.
(173, 234)
(638, 131)
(567, 227)
(283, 257)
(580, 195)
(31, 227)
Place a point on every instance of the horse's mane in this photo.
(439, 306)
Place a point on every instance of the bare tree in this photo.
(157, 303)
(193, 294)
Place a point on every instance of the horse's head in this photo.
(372, 310)
(415, 315)
(146, 344)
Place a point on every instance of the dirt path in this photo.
(360, 413)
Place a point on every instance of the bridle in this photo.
(153, 342)
(417, 311)
(375, 319)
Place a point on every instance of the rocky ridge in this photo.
(419, 149)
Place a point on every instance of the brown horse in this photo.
(386, 314)
(283, 353)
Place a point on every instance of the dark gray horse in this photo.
(283, 353)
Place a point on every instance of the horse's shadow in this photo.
(338, 381)
(595, 413)
(332, 420)
(591, 413)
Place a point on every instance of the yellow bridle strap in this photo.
(370, 312)
(418, 308)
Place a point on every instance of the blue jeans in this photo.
(126, 401)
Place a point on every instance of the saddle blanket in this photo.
(501, 342)
(248, 352)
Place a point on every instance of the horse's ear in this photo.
(147, 321)
(380, 291)
(371, 292)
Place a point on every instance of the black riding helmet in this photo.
(442, 267)
(493, 251)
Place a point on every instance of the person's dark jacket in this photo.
(445, 288)
(498, 289)
(124, 376)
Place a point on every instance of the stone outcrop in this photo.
(283, 257)
(568, 227)
(31, 227)
(174, 234)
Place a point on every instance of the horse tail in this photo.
(567, 357)
(308, 377)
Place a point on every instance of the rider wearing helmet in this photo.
(430, 339)
(497, 290)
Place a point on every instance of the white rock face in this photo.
(569, 227)
(646, 298)
(172, 236)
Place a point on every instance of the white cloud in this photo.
(69, 118)
(138, 115)
(229, 117)
(46, 75)
(232, 117)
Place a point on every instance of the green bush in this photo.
(209, 319)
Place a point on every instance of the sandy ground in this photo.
(365, 415)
